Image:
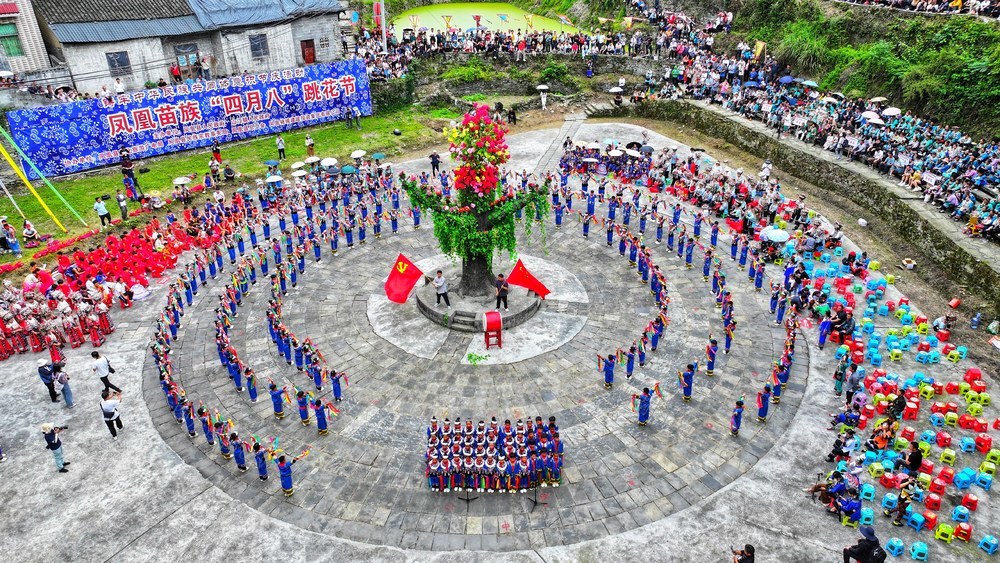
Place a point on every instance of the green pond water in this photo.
(432, 17)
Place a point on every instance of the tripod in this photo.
(535, 502)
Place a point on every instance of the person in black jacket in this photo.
(862, 551)
(46, 374)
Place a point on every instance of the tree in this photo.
(480, 219)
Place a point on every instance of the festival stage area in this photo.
(680, 489)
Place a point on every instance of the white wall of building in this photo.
(324, 31)
(35, 57)
(89, 63)
(238, 55)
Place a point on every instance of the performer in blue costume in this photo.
(644, 401)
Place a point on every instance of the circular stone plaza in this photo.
(681, 488)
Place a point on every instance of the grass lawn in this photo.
(418, 130)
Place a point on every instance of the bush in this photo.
(473, 71)
(553, 71)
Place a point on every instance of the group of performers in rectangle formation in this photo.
(501, 458)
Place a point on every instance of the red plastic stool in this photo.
(979, 386)
(889, 481)
(943, 440)
(909, 432)
(971, 502)
(963, 531)
(926, 466)
(944, 335)
(911, 412)
(966, 421)
(984, 442)
(940, 407)
(930, 519)
(937, 487)
(947, 475)
(938, 388)
(951, 388)
(932, 502)
(972, 374)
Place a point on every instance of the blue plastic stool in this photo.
(867, 516)
(868, 493)
(890, 501)
(895, 547)
(915, 521)
(985, 480)
(989, 544)
(960, 514)
(964, 479)
(918, 551)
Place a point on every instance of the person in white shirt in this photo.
(109, 408)
(102, 367)
(441, 287)
(119, 87)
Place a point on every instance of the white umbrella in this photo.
(299, 173)
(831, 100)
(541, 87)
(876, 121)
(6, 74)
(297, 165)
(837, 95)
(878, 99)
(869, 115)
(329, 161)
(615, 90)
(312, 159)
(615, 153)
(889, 112)
(358, 153)
(591, 160)
(632, 153)
(272, 179)
(181, 180)
(594, 145)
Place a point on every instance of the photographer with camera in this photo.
(744, 555)
(52, 442)
(109, 408)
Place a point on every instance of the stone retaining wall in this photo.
(936, 246)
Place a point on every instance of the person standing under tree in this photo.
(503, 288)
(441, 287)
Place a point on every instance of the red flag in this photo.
(522, 277)
(402, 278)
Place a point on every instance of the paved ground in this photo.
(680, 489)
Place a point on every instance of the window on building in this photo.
(118, 63)
(10, 41)
(324, 42)
(258, 46)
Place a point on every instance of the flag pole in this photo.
(20, 174)
(31, 163)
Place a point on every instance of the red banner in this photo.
(402, 278)
(522, 277)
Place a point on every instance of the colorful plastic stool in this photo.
(989, 544)
(895, 547)
(945, 533)
(918, 551)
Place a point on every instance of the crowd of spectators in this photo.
(984, 8)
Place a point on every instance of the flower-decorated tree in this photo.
(478, 220)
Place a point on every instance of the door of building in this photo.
(308, 51)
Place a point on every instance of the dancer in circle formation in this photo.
(621, 179)
(502, 458)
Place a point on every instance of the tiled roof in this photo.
(78, 11)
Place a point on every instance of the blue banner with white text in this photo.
(77, 136)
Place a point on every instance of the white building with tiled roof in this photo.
(142, 41)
